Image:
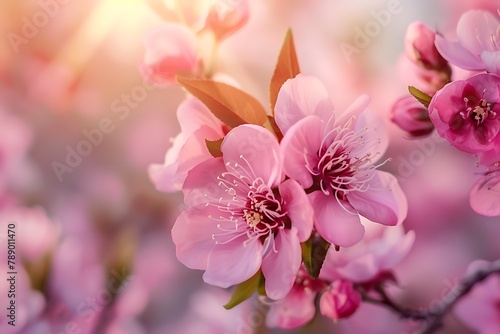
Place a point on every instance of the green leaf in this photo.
(244, 291)
(286, 68)
(229, 104)
(314, 253)
(214, 147)
(422, 97)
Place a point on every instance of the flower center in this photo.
(263, 212)
(341, 168)
(478, 112)
(252, 209)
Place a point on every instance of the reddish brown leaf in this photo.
(214, 147)
(229, 104)
(287, 68)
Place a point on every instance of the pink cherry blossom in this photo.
(381, 249)
(189, 147)
(411, 116)
(171, 50)
(297, 308)
(480, 308)
(485, 195)
(420, 49)
(465, 113)
(478, 45)
(340, 300)
(227, 16)
(333, 158)
(242, 216)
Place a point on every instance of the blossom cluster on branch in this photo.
(291, 202)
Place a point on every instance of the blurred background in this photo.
(94, 252)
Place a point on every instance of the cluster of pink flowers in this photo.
(260, 189)
(463, 109)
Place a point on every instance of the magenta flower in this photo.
(242, 216)
(189, 147)
(478, 45)
(465, 113)
(334, 160)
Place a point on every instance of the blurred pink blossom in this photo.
(381, 249)
(171, 50)
(465, 113)
(242, 222)
(226, 17)
(478, 45)
(189, 148)
(332, 156)
(485, 195)
(480, 308)
(420, 49)
(411, 116)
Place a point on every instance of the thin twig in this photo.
(433, 319)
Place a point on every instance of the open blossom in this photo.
(333, 158)
(189, 147)
(480, 308)
(478, 45)
(242, 216)
(465, 112)
(411, 116)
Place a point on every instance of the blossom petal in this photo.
(477, 31)
(333, 222)
(458, 55)
(202, 183)
(485, 195)
(300, 97)
(299, 148)
(233, 262)
(384, 202)
(295, 310)
(491, 60)
(354, 110)
(164, 176)
(360, 269)
(375, 136)
(254, 152)
(298, 207)
(192, 235)
(193, 114)
(280, 267)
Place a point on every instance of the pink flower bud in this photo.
(420, 48)
(227, 16)
(411, 116)
(170, 51)
(340, 300)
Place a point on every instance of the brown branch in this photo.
(433, 319)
